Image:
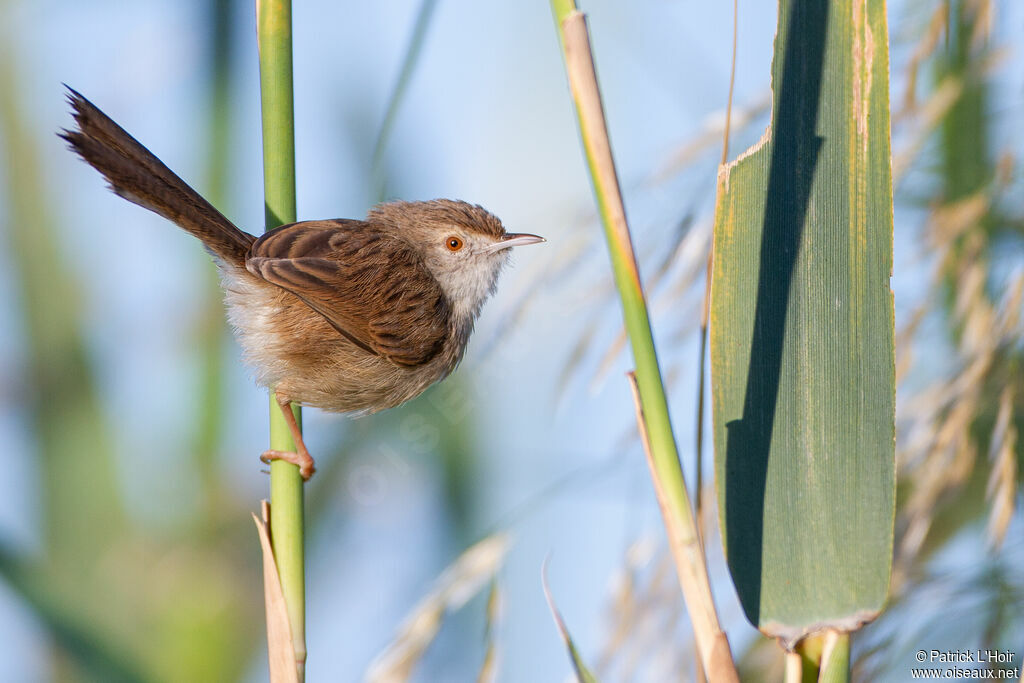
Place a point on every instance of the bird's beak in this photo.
(515, 239)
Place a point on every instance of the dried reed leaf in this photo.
(1002, 482)
(928, 118)
(648, 637)
(951, 221)
(452, 590)
(489, 668)
(280, 650)
(1011, 308)
(925, 47)
(984, 19)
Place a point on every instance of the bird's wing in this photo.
(369, 285)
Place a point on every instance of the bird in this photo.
(348, 316)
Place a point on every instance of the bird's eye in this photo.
(453, 243)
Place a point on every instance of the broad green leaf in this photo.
(802, 332)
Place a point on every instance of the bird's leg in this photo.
(301, 457)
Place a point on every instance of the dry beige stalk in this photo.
(691, 566)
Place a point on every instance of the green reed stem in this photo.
(274, 34)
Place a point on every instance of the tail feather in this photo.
(134, 173)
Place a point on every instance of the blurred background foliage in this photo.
(131, 432)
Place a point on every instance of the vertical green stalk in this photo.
(835, 660)
(274, 35)
(652, 404)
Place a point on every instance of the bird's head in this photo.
(463, 245)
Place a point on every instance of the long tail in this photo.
(137, 175)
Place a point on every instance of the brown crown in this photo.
(439, 211)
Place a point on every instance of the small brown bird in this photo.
(345, 315)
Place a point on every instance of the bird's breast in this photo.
(292, 348)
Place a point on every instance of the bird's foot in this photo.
(304, 461)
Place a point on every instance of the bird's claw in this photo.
(303, 461)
